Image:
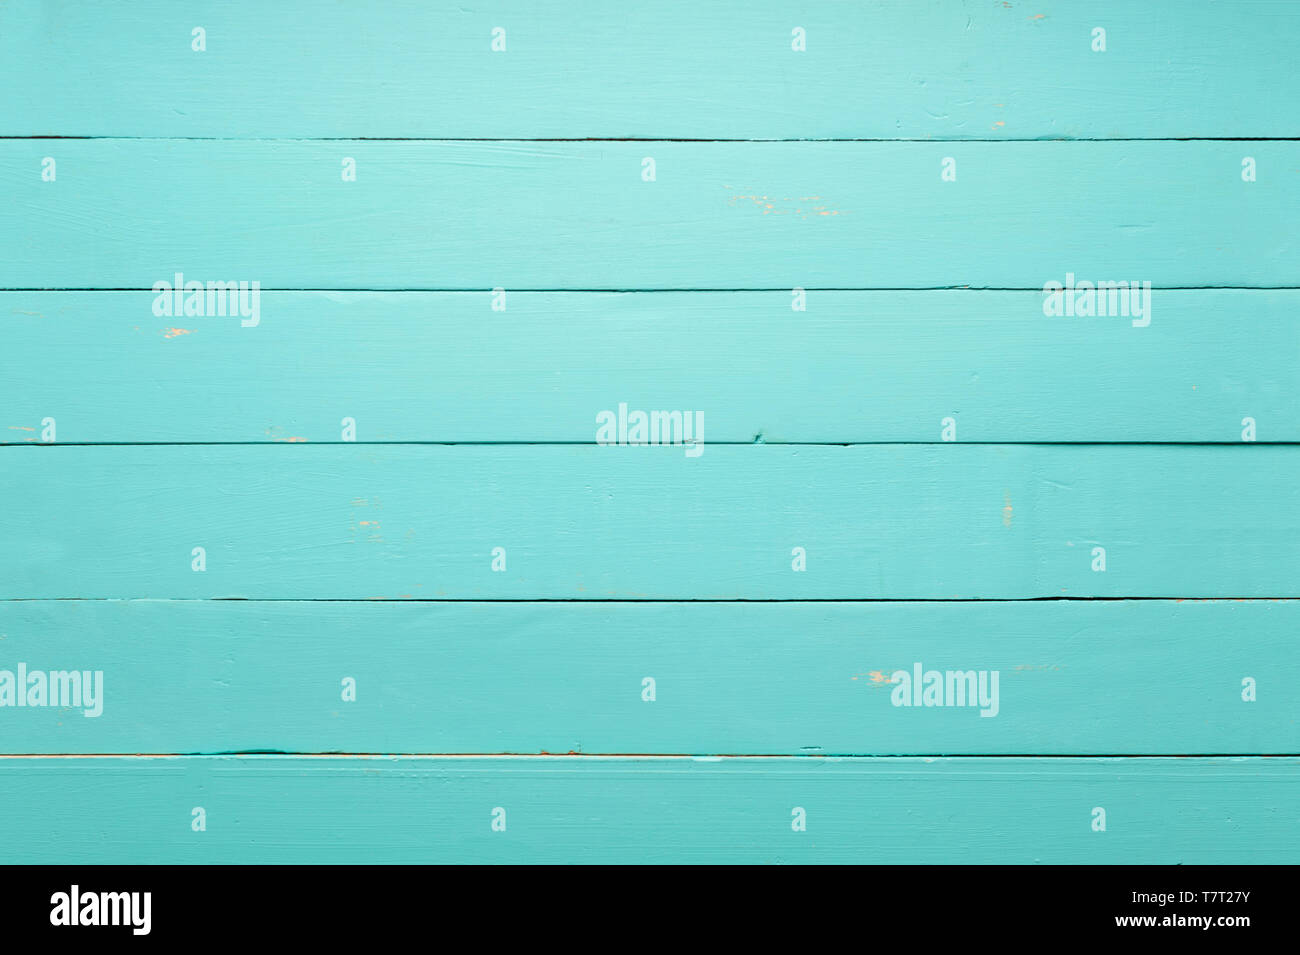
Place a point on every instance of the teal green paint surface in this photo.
(668, 68)
(548, 215)
(592, 810)
(853, 367)
(594, 523)
(1149, 677)
(1093, 458)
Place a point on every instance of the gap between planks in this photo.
(642, 600)
(762, 442)
(673, 291)
(264, 754)
(666, 139)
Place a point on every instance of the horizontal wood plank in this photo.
(670, 68)
(853, 367)
(589, 522)
(1051, 677)
(595, 810)
(481, 215)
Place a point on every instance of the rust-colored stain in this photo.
(177, 332)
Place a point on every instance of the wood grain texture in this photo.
(594, 810)
(588, 522)
(478, 215)
(497, 584)
(671, 68)
(853, 367)
(1074, 677)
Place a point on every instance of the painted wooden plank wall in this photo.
(593, 523)
(269, 809)
(671, 68)
(1073, 677)
(921, 170)
(852, 367)
(481, 215)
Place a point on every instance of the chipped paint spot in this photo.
(176, 332)
(1006, 509)
(875, 677)
(772, 205)
(19, 427)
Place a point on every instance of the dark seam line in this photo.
(670, 139)
(270, 443)
(680, 291)
(642, 600)
(336, 754)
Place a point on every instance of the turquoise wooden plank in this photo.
(662, 69)
(1059, 677)
(853, 367)
(589, 522)
(602, 810)
(481, 215)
